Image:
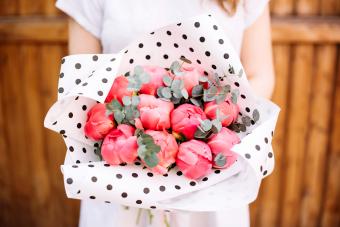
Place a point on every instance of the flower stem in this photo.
(138, 216)
(166, 222)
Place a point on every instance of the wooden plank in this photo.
(8, 7)
(54, 29)
(297, 128)
(282, 7)
(318, 135)
(307, 7)
(331, 207)
(30, 8)
(271, 190)
(330, 7)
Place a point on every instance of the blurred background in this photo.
(305, 186)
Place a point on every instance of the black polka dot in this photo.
(74, 166)
(84, 84)
(205, 179)
(150, 174)
(119, 176)
(202, 39)
(237, 84)
(107, 202)
(266, 140)
(153, 207)
(94, 179)
(113, 59)
(220, 41)
(92, 197)
(62, 60)
(215, 27)
(197, 24)
(179, 24)
(184, 36)
(78, 192)
(131, 61)
(217, 171)
(207, 53)
(71, 148)
(76, 98)
(270, 155)
(243, 96)
(261, 168)
(62, 132)
(108, 69)
(177, 187)
(147, 57)
(168, 32)
(70, 115)
(198, 61)
(124, 195)
(140, 45)
(54, 123)
(265, 173)
(175, 45)
(84, 150)
(122, 164)
(257, 147)
(192, 183)
(60, 90)
(247, 109)
(100, 93)
(139, 201)
(107, 165)
(77, 161)
(134, 175)
(191, 49)
(213, 66)
(69, 180)
(137, 163)
(90, 165)
(104, 80)
(206, 73)
(151, 33)
(126, 51)
(109, 187)
(247, 156)
(165, 175)
(84, 107)
(146, 190)
(179, 173)
(226, 56)
(165, 56)
(77, 66)
(61, 75)
(159, 44)
(162, 188)
(95, 58)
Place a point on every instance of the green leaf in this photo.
(138, 70)
(206, 125)
(203, 79)
(126, 100)
(177, 94)
(166, 92)
(135, 100)
(184, 93)
(175, 100)
(240, 73)
(119, 116)
(220, 98)
(243, 128)
(256, 115)
(246, 120)
(196, 102)
(159, 91)
(197, 91)
(144, 78)
(176, 85)
(220, 160)
(201, 135)
(151, 160)
(234, 96)
(216, 126)
(231, 69)
(167, 80)
(175, 67)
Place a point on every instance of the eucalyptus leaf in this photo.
(246, 121)
(138, 70)
(220, 160)
(175, 100)
(184, 93)
(256, 115)
(240, 73)
(196, 102)
(203, 79)
(206, 125)
(126, 100)
(176, 85)
(197, 91)
(167, 80)
(119, 116)
(242, 128)
(166, 92)
(234, 97)
(135, 100)
(200, 135)
(159, 91)
(151, 160)
(177, 93)
(144, 78)
(231, 69)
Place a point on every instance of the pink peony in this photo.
(191, 75)
(119, 89)
(186, 118)
(120, 145)
(168, 152)
(228, 110)
(98, 124)
(194, 159)
(156, 79)
(222, 142)
(154, 113)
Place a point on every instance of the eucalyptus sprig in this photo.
(137, 78)
(126, 113)
(173, 90)
(147, 149)
(246, 121)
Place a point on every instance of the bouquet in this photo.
(170, 122)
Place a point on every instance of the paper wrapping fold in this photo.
(87, 79)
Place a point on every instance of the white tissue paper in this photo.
(86, 79)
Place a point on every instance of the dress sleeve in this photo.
(253, 9)
(87, 13)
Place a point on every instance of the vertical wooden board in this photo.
(5, 182)
(270, 194)
(331, 206)
(8, 7)
(28, 7)
(307, 7)
(297, 128)
(50, 9)
(282, 7)
(318, 134)
(15, 130)
(329, 7)
(54, 145)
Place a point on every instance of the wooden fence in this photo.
(304, 188)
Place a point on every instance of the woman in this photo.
(106, 26)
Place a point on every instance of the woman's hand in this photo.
(256, 55)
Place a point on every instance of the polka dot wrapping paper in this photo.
(86, 79)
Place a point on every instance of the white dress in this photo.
(116, 23)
